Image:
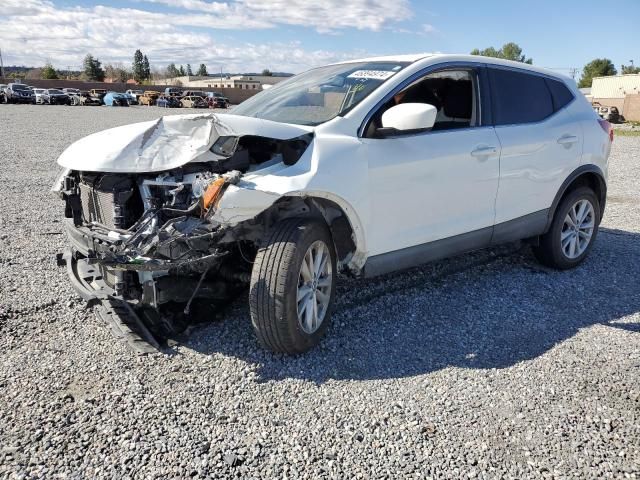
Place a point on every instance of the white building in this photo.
(615, 86)
(243, 82)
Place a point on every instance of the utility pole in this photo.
(1, 65)
(573, 72)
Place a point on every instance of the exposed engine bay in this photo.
(147, 245)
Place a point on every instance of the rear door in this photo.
(541, 140)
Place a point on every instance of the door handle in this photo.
(484, 151)
(568, 140)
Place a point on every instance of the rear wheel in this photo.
(573, 230)
(293, 286)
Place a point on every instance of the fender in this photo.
(590, 168)
(360, 255)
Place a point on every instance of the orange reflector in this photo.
(212, 192)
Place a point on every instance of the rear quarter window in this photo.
(519, 97)
(560, 94)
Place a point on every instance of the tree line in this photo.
(93, 70)
(599, 67)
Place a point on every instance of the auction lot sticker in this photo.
(372, 74)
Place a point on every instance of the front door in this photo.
(438, 184)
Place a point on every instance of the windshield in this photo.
(319, 95)
(56, 92)
(17, 86)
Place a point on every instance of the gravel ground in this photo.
(483, 366)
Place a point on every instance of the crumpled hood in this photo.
(166, 143)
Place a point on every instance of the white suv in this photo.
(365, 167)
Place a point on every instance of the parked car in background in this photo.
(98, 92)
(194, 93)
(116, 99)
(19, 93)
(53, 96)
(610, 114)
(216, 102)
(133, 96)
(71, 91)
(2, 95)
(149, 98)
(218, 95)
(168, 102)
(173, 92)
(85, 99)
(38, 93)
(194, 101)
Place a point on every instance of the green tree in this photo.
(627, 70)
(600, 67)
(48, 72)
(509, 51)
(93, 69)
(202, 70)
(172, 71)
(189, 71)
(181, 71)
(266, 73)
(146, 68)
(138, 66)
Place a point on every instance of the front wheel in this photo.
(573, 231)
(293, 286)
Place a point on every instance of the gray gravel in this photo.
(484, 366)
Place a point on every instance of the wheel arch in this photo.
(343, 222)
(585, 175)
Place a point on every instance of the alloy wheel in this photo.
(314, 287)
(577, 229)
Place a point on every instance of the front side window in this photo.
(452, 92)
(319, 95)
(519, 97)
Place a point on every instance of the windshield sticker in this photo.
(372, 74)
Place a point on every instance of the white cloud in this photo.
(35, 31)
(428, 28)
(324, 16)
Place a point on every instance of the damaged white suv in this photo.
(363, 167)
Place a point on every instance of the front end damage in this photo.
(153, 248)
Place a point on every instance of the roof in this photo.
(389, 58)
(411, 58)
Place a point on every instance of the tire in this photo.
(275, 284)
(561, 254)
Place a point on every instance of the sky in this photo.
(295, 35)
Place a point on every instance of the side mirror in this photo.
(407, 118)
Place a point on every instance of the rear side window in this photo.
(519, 97)
(560, 94)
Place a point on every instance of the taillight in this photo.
(607, 127)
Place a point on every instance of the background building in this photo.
(243, 82)
(621, 91)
